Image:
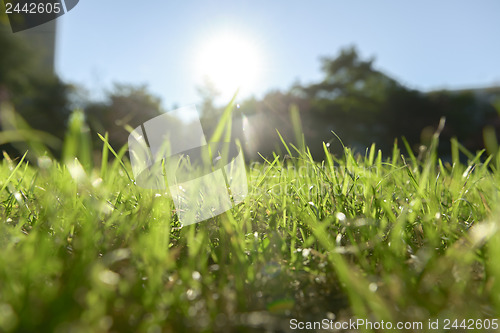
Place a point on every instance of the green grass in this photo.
(82, 249)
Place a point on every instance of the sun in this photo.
(231, 62)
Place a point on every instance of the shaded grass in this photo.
(83, 249)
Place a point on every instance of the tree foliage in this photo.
(126, 107)
(364, 105)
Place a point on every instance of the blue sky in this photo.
(424, 44)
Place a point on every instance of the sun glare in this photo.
(230, 62)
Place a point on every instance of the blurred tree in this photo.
(350, 98)
(467, 112)
(350, 83)
(363, 105)
(126, 105)
(38, 95)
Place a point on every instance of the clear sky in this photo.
(424, 44)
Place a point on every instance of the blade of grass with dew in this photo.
(118, 156)
(9, 178)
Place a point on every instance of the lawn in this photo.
(398, 238)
